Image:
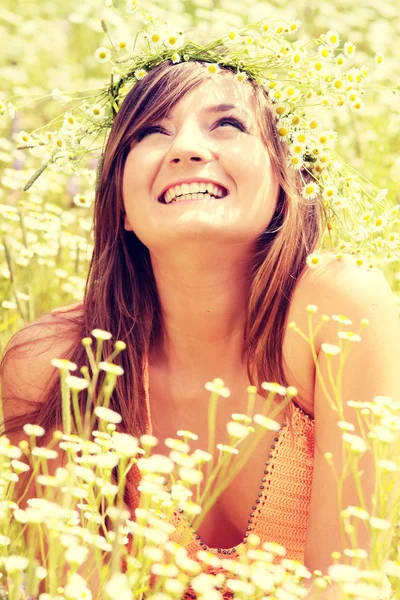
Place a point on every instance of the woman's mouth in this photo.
(197, 193)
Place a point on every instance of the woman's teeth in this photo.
(193, 191)
(198, 196)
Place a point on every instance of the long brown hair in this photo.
(121, 293)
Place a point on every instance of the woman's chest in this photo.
(232, 515)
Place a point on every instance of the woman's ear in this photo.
(127, 225)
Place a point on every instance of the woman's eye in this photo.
(157, 129)
(232, 121)
(154, 129)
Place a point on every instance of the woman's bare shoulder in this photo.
(336, 276)
(26, 368)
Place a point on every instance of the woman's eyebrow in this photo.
(215, 108)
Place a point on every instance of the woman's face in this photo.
(199, 142)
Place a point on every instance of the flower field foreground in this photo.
(79, 523)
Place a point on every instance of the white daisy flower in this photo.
(330, 192)
(100, 334)
(237, 430)
(111, 368)
(310, 191)
(332, 38)
(156, 463)
(44, 453)
(106, 414)
(35, 430)
(295, 162)
(96, 111)
(349, 49)
(213, 68)
(23, 138)
(275, 388)
(190, 476)
(63, 364)
(294, 26)
(314, 260)
(76, 383)
(266, 422)
(217, 386)
(155, 38)
(140, 73)
(227, 449)
(174, 40)
(190, 508)
(102, 54)
(82, 201)
(232, 36)
(241, 76)
(330, 349)
(349, 335)
(342, 319)
(131, 6)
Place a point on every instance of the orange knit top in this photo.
(280, 511)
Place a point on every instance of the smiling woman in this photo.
(201, 238)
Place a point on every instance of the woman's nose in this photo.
(189, 146)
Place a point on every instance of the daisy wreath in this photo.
(302, 79)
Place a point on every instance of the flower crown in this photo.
(303, 80)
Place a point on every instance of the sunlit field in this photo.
(84, 542)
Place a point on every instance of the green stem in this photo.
(212, 413)
(66, 402)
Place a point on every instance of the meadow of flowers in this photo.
(45, 248)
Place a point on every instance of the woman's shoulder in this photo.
(26, 369)
(347, 286)
(46, 337)
(341, 274)
(75, 309)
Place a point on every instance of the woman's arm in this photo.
(371, 369)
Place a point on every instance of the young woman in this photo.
(199, 264)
